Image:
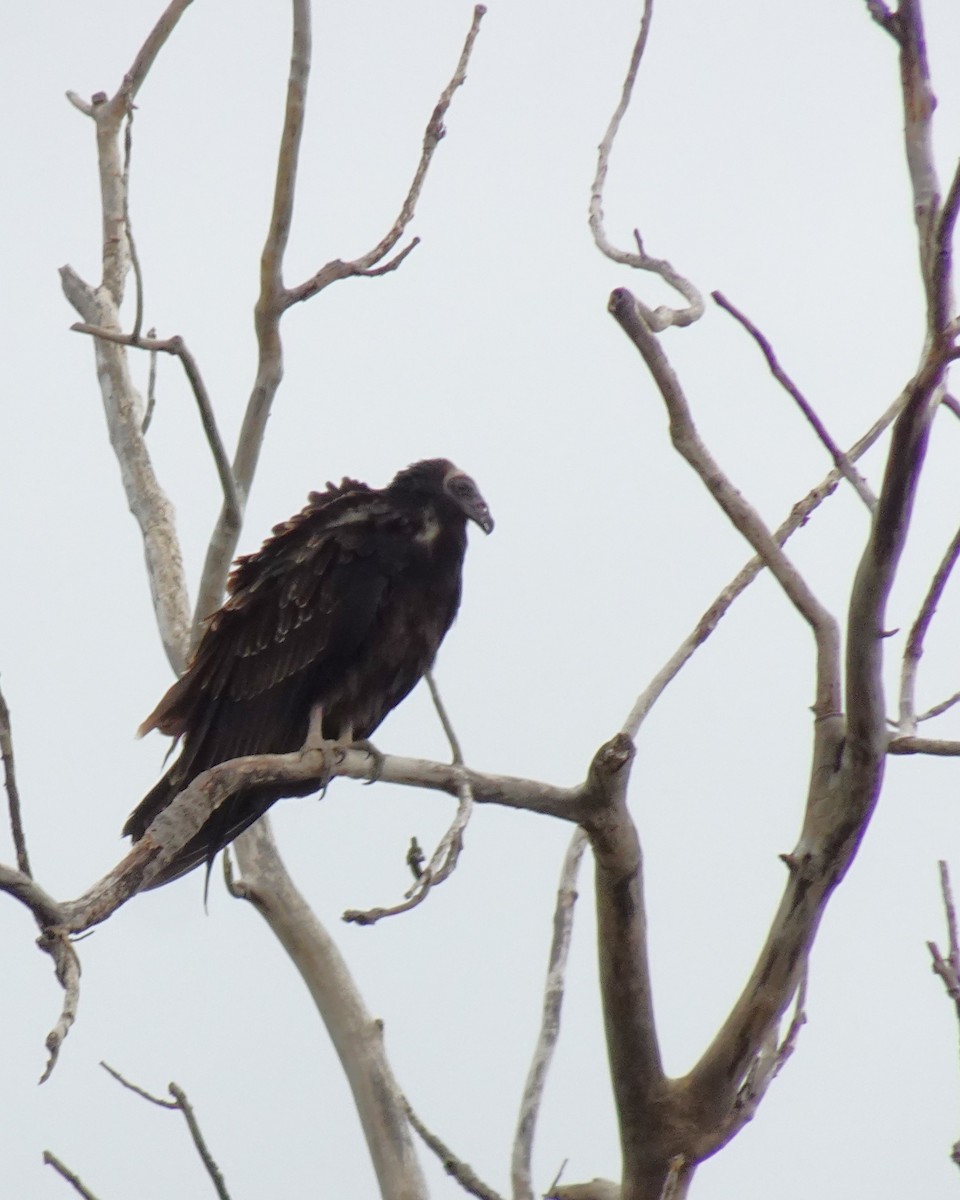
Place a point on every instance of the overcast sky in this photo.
(763, 156)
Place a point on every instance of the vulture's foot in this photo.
(378, 757)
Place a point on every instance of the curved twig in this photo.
(662, 317)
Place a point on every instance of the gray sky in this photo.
(763, 157)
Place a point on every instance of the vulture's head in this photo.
(439, 477)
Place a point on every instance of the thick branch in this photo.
(640, 1087)
(356, 1036)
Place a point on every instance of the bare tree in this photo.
(667, 1126)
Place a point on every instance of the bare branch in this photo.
(746, 575)
(444, 718)
(100, 307)
(914, 647)
(210, 1166)
(640, 1088)
(454, 1167)
(181, 1103)
(444, 859)
(131, 241)
(51, 1160)
(151, 386)
(135, 77)
(662, 317)
(596, 1189)
(948, 969)
(13, 793)
(918, 745)
(521, 1172)
(178, 348)
(884, 18)
(356, 1037)
(938, 709)
(687, 441)
(435, 131)
(840, 460)
(160, 1101)
(56, 943)
(767, 1065)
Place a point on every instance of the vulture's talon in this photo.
(379, 758)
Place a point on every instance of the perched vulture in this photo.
(341, 610)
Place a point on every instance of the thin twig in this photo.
(444, 717)
(13, 793)
(531, 1100)
(840, 460)
(444, 859)
(948, 968)
(940, 708)
(464, 1175)
(914, 648)
(151, 386)
(365, 265)
(51, 1160)
(210, 1166)
(181, 1103)
(178, 348)
(134, 257)
(663, 316)
(160, 1101)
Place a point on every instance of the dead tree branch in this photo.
(51, 1160)
(178, 348)
(445, 857)
(948, 968)
(100, 306)
(840, 460)
(662, 317)
(182, 1104)
(520, 1162)
(13, 792)
(356, 1036)
(914, 648)
(456, 1168)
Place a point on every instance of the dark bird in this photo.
(339, 613)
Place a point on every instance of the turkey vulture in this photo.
(341, 610)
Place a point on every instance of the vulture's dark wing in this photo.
(297, 612)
